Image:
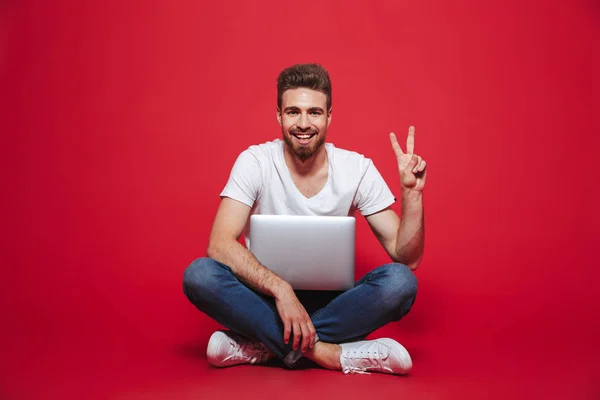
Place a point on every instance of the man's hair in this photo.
(311, 76)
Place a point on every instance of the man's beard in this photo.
(304, 152)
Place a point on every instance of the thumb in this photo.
(408, 178)
(412, 163)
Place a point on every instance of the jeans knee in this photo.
(399, 286)
(200, 276)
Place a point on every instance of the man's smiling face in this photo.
(304, 120)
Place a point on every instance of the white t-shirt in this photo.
(261, 179)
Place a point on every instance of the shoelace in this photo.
(246, 350)
(369, 360)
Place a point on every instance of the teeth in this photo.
(303, 136)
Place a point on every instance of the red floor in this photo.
(114, 368)
(458, 352)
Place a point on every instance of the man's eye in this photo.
(292, 112)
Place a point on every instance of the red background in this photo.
(120, 122)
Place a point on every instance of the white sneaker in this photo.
(226, 348)
(380, 355)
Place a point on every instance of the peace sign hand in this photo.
(412, 167)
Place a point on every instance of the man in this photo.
(304, 175)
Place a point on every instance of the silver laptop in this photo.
(308, 252)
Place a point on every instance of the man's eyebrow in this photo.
(295, 108)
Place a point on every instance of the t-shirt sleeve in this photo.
(245, 181)
(373, 192)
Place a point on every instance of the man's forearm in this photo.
(246, 267)
(410, 238)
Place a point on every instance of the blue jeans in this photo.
(383, 295)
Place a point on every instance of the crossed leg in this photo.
(383, 295)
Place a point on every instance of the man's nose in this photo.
(303, 122)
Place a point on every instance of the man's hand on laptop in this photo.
(296, 320)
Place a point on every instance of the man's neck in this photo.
(306, 167)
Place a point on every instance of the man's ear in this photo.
(329, 117)
(279, 115)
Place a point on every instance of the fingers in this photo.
(313, 334)
(309, 335)
(410, 140)
(395, 145)
(297, 331)
(407, 173)
(416, 167)
(422, 165)
(297, 323)
(412, 163)
(286, 330)
(305, 337)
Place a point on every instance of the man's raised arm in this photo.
(404, 239)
